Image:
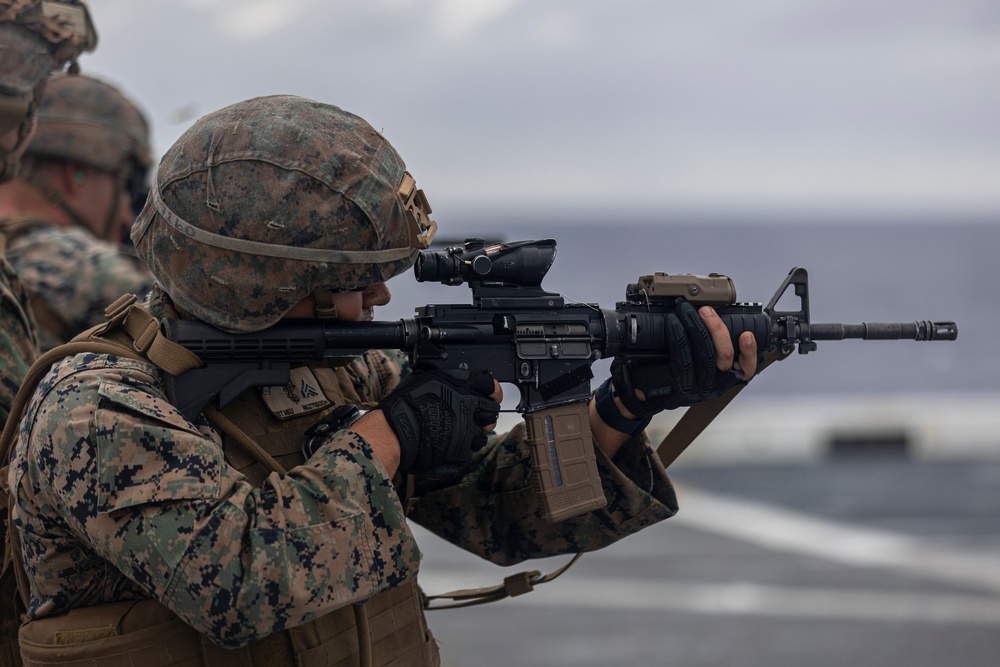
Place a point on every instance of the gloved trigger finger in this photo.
(487, 413)
(479, 441)
(481, 382)
(681, 363)
(703, 351)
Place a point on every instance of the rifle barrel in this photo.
(919, 330)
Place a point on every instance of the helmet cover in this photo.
(86, 120)
(64, 25)
(269, 200)
(36, 36)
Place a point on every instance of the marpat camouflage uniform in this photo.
(118, 496)
(74, 272)
(18, 344)
(32, 43)
(72, 276)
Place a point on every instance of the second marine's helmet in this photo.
(85, 120)
(271, 200)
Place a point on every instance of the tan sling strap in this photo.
(512, 586)
(697, 417)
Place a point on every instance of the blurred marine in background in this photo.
(36, 38)
(82, 180)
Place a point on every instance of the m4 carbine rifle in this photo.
(525, 336)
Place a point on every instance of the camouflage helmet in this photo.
(86, 120)
(36, 36)
(64, 26)
(270, 200)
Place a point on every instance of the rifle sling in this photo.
(697, 417)
(512, 586)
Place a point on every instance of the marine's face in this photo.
(104, 204)
(357, 306)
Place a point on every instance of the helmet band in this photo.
(269, 249)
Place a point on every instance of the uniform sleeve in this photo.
(147, 491)
(493, 509)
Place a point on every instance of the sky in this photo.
(654, 108)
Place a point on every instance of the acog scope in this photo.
(522, 263)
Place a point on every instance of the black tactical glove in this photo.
(690, 376)
(438, 417)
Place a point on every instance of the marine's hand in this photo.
(439, 418)
(701, 364)
(745, 366)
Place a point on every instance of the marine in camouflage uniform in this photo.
(32, 42)
(82, 181)
(18, 345)
(258, 210)
(35, 38)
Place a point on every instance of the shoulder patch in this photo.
(303, 395)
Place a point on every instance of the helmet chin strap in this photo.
(55, 197)
(17, 111)
(108, 231)
(10, 166)
(326, 309)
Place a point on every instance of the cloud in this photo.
(459, 19)
(624, 103)
(250, 20)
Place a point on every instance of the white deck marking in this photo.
(743, 599)
(783, 530)
(786, 530)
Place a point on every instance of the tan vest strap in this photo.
(512, 586)
(364, 635)
(697, 417)
(274, 650)
(139, 632)
(236, 433)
